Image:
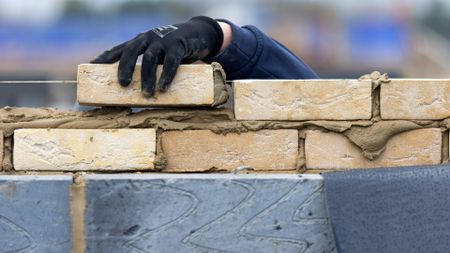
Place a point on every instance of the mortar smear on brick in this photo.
(335, 151)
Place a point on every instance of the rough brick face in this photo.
(335, 151)
(201, 150)
(98, 85)
(303, 99)
(415, 99)
(75, 150)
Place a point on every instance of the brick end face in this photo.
(2, 149)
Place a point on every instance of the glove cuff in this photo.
(219, 34)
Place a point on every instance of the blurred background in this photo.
(47, 39)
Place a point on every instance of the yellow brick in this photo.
(82, 149)
(302, 99)
(98, 85)
(201, 150)
(415, 99)
(335, 151)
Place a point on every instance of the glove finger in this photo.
(150, 62)
(128, 61)
(110, 56)
(171, 63)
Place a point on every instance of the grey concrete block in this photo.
(35, 214)
(206, 213)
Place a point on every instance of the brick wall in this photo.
(273, 127)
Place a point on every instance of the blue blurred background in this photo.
(47, 39)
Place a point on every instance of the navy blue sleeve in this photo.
(254, 55)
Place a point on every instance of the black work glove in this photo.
(199, 38)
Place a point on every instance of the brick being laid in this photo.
(334, 151)
(303, 99)
(84, 149)
(424, 99)
(193, 85)
(203, 150)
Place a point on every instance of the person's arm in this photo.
(248, 53)
(227, 35)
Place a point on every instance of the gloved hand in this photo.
(199, 38)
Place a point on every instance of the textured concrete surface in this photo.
(302, 99)
(98, 85)
(335, 151)
(84, 149)
(202, 150)
(415, 99)
(35, 214)
(206, 213)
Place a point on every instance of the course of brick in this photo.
(275, 125)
